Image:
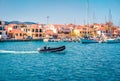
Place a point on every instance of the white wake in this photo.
(18, 52)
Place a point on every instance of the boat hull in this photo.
(113, 41)
(52, 49)
(88, 41)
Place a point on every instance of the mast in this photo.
(87, 12)
(110, 16)
(110, 21)
(87, 16)
(105, 19)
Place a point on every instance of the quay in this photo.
(19, 40)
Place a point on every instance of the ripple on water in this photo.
(86, 62)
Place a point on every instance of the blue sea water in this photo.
(20, 61)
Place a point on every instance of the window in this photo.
(28, 29)
(16, 34)
(40, 35)
(1, 28)
(40, 30)
(20, 34)
(84, 28)
(15, 27)
(0, 33)
(36, 30)
(32, 30)
(36, 35)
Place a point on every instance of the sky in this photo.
(60, 11)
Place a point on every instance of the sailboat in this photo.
(111, 39)
(86, 38)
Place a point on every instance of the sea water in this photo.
(20, 61)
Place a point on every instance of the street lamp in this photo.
(47, 19)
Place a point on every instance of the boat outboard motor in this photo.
(38, 49)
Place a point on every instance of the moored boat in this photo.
(49, 49)
(88, 40)
(111, 40)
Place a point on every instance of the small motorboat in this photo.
(49, 49)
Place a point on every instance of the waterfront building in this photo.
(101, 31)
(3, 33)
(116, 32)
(50, 27)
(97, 25)
(65, 31)
(49, 33)
(34, 31)
(83, 30)
(18, 34)
(10, 28)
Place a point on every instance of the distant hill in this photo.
(6, 22)
(29, 23)
(18, 22)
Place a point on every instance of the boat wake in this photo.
(17, 52)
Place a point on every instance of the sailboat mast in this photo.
(87, 16)
(110, 16)
(110, 21)
(87, 12)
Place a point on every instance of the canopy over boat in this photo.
(49, 49)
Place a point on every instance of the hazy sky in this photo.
(59, 11)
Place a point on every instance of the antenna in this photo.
(47, 19)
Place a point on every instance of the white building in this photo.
(51, 27)
(3, 34)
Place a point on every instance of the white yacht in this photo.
(113, 40)
(88, 40)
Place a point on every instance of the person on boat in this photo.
(45, 47)
(48, 47)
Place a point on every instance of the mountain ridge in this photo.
(19, 22)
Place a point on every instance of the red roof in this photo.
(101, 29)
(17, 31)
(49, 32)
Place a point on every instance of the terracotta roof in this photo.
(101, 28)
(35, 25)
(17, 31)
(11, 25)
(49, 32)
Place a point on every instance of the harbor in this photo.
(59, 40)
